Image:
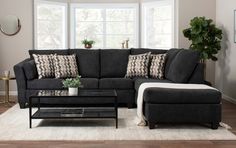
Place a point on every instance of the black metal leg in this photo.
(30, 113)
(116, 108)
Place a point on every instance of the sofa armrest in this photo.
(197, 76)
(21, 81)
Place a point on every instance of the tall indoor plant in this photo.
(205, 37)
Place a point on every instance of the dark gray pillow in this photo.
(30, 70)
(182, 66)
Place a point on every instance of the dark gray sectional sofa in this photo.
(106, 69)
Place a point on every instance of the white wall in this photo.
(189, 9)
(226, 66)
(14, 49)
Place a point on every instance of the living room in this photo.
(164, 80)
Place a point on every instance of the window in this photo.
(158, 24)
(50, 25)
(107, 24)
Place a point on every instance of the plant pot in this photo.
(88, 46)
(73, 91)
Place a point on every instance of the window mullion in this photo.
(104, 28)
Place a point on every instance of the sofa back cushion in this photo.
(39, 52)
(135, 51)
(88, 62)
(114, 62)
(169, 58)
(182, 66)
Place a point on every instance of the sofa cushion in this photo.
(65, 66)
(44, 84)
(183, 96)
(135, 51)
(138, 65)
(139, 81)
(183, 66)
(30, 70)
(88, 62)
(114, 62)
(170, 55)
(44, 65)
(157, 66)
(116, 83)
(53, 51)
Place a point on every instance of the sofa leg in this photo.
(22, 105)
(130, 105)
(151, 125)
(214, 125)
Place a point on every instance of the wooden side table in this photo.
(6, 82)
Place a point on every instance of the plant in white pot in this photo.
(73, 84)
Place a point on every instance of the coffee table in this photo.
(66, 112)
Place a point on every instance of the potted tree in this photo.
(88, 43)
(205, 37)
(72, 84)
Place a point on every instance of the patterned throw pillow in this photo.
(138, 65)
(65, 66)
(157, 66)
(44, 65)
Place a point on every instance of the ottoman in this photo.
(164, 105)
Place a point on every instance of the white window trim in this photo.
(174, 19)
(73, 6)
(36, 2)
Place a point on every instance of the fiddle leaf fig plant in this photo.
(205, 37)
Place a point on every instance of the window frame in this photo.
(73, 7)
(173, 18)
(56, 3)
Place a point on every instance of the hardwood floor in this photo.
(228, 116)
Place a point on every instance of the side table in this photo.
(6, 82)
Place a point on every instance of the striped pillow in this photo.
(157, 66)
(138, 65)
(65, 66)
(44, 65)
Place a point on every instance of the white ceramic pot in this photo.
(73, 91)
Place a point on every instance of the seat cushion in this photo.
(183, 96)
(114, 62)
(116, 83)
(37, 84)
(139, 81)
(88, 62)
(183, 66)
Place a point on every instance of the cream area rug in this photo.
(14, 125)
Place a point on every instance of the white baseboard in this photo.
(11, 93)
(228, 98)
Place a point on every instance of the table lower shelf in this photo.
(75, 113)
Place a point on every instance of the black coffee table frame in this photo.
(81, 112)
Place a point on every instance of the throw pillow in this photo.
(157, 66)
(65, 66)
(44, 65)
(138, 65)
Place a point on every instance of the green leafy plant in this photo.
(72, 82)
(205, 36)
(88, 42)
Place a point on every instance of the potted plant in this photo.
(205, 37)
(88, 43)
(72, 84)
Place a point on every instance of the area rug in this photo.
(14, 125)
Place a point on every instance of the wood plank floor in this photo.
(229, 117)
